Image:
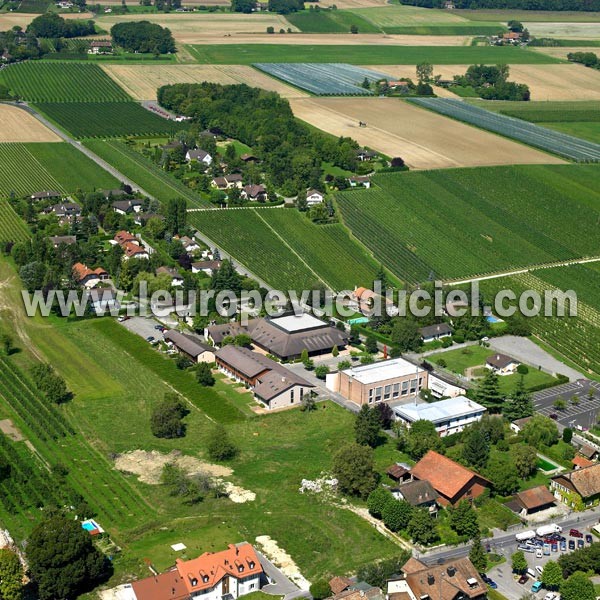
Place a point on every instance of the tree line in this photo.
(558, 5)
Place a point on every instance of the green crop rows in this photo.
(33, 167)
(146, 174)
(62, 82)
(107, 119)
(581, 278)
(464, 222)
(286, 249)
(12, 228)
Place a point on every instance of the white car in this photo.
(540, 570)
(549, 596)
(539, 553)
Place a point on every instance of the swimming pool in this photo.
(493, 319)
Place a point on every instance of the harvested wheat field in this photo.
(336, 39)
(9, 20)
(425, 140)
(16, 125)
(353, 3)
(546, 82)
(563, 31)
(562, 51)
(142, 81)
(189, 28)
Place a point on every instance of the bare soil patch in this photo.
(546, 82)
(281, 559)
(142, 81)
(16, 125)
(8, 428)
(424, 139)
(148, 466)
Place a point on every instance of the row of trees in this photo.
(589, 59)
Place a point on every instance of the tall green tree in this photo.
(519, 404)
(577, 587)
(11, 575)
(525, 460)
(63, 561)
(552, 575)
(519, 562)
(353, 467)
(476, 449)
(204, 375)
(422, 437)
(540, 431)
(463, 519)
(220, 446)
(503, 474)
(367, 426)
(421, 527)
(397, 514)
(488, 392)
(226, 278)
(477, 554)
(378, 500)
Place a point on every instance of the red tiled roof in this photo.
(169, 585)
(535, 497)
(132, 249)
(121, 237)
(207, 570)
(581, 462)
(81, 271)
(338, 584)
(445, 475)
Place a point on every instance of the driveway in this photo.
(530, 353)
(280, 584)
(584, 414)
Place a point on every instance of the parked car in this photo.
(539, 569)
(525, 548)
(485, 578)
(549, 596)
(554, 547)
(158, 327)
(554, 416)
(523, 579)
(492, 584)
(580, 543)
(575, 533)
(536, 587)
(571, 544)
(539, 553)
(563, 546)
(150, 338)
(546, 549)
(588, 538)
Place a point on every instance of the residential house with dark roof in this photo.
(273, 385)
(189, 244)
(173, 273)
(200, 156)
(432, 333)
(417, 493)
(578, 489)
(126, 207)
(68, 240)
(206, 266)
(66, 212)
(531, 501)
(502, 364)
(45, 195)
(451, 481)
(228, 181)
(212, 576)
(456, 579)
(190, 346)
(365, 155)
(399, 472)
(254, 192)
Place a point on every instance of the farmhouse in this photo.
(45, 195)
(191, 346)
(206, 266)
(532, 501)
(578, 489)
(383, 381)
(200, 156)
(273, 385)
(228, 574)
(176, 278)
(587, 451)
(284, 336)
(313, 197)
(457, 579)
(126, 207)
(100, 47)
(432, 333)
(87, 277)
(451, 481)
(502, 364)
(449, 416)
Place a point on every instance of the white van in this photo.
(531, 573)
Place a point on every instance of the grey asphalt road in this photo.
(584, 412)
(280, 584)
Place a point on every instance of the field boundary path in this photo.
(529, 269)
(91, 155)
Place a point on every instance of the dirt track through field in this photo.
(423, 139)
(546, 82)
(18, 126)
(142, 81)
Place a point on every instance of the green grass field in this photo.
(247, 54)
(62, 82)
(142, 171)
(107, 119)
(12, 227)
(330, 21)
(287, 250)
(33, 167)
(529, 16)
(461, 359)
(465, 28)
(462, 222)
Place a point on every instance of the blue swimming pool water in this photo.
(88, 526)
(493, 319)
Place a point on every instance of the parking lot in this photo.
(507, 581)
(143, 326)
(583, 414)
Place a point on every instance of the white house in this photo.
(449, 416)
(442, 388)
(206, 266)
(359, 181)
(502, 364)
(176, 278)
(199, 155)
(313, 197)
(189, 244)
(229, 574)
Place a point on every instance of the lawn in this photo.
(32, 167)
(461, 359)
(248, 54)
(123, 379)
(144, 173)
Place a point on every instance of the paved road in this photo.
(584, 414)
(528, 352)
(79, 146)
(281, 584)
